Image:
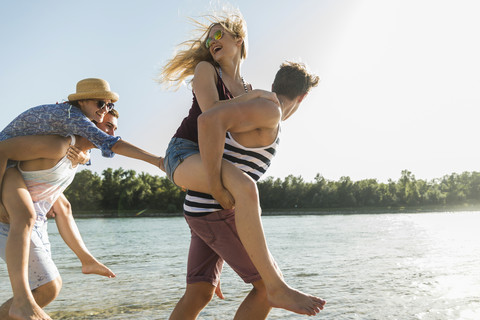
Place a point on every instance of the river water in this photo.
(368, 266)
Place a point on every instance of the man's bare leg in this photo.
(196, 297)
(250, 230)
(43, 295)
(71, 235)
(256, 305)
(19, 205)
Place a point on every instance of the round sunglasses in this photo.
(216, 36)
(102, 104)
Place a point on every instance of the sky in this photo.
(399, 83)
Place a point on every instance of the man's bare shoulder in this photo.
(256, 138)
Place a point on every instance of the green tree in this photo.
(125, 190)
(367, 192)
(407, 192)
(454, 189)
(346, 193)
(85, 192)
(111, 188)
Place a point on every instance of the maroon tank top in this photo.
(188, 128)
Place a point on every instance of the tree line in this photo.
(123, 190)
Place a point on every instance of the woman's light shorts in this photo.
(41, 269)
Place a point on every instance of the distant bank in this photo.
(283, 212)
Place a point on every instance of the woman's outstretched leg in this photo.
(250, 230)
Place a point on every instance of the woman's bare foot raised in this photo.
(95, 267)
(295, 301)
(27, 311)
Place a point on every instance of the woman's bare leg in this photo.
(19, 205)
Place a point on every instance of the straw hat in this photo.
(93, 88)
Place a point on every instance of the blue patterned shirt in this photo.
(62, 119)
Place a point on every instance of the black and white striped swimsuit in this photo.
(252, 161)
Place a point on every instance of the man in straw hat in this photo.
(46, 175)
(91, 101)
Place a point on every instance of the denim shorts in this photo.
(178, 150)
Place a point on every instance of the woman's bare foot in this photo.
(26, 310)
(295, 301)
(95, 267)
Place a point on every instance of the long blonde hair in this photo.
(191, 52)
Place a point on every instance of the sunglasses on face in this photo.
(102, 104)
(216, 36)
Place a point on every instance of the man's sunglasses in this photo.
(216, 36)
(102, 104)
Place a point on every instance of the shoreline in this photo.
(286, 212)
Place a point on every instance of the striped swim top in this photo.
(252, 161)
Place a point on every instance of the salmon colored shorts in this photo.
(215, 240)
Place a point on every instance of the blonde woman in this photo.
(214, 61)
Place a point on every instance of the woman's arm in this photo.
(211, 151)
(240, 117)
(129, 150)
(82, 126)
(60, 119)
(205, 87)
(109, 144)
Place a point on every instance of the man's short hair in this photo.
(293, 80)
(114, 113)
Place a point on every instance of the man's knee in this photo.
(259, 290)
(199, 294)
(48, 292)
(206, 297)
(201, 299)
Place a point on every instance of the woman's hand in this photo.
(224, 197)
(161, 163)
(272, 96)
(51, 213)
(77, 156)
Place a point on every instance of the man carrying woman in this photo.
(214, 61)
(91, 102)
